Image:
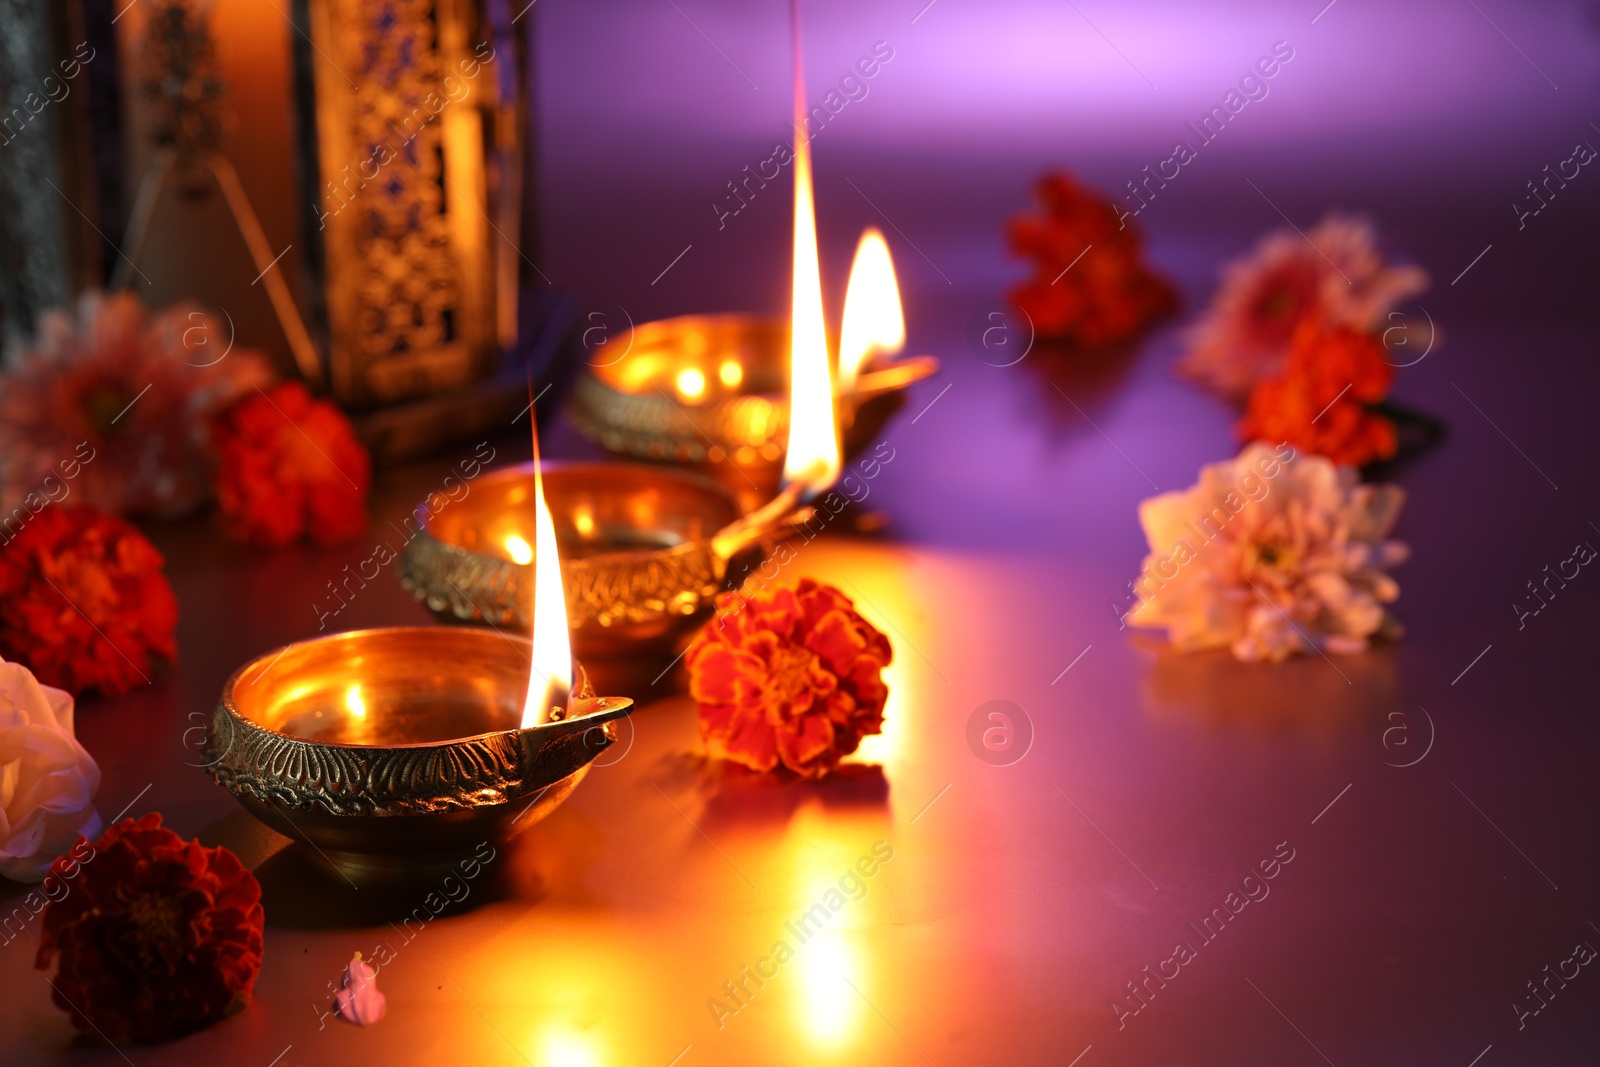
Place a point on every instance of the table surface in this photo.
(1437, 796)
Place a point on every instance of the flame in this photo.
(550, 683)
(813, 454)
(353, 701)
(873, 319)
(731, 373)
(519, 550)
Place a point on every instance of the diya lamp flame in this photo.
(874, 322)
(812, 461)
(550, 680)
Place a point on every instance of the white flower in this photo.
(1271, 555)
(47, 780)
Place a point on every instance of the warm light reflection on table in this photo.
(561, 1046)
(878, 584)
(827, 1011)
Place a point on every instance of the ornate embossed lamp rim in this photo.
(449, 764)
(619, 599)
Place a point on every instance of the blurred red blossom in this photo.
(1090, 286)
(83, 601)
(1323, 401)
(290, 466)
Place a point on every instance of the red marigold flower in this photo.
(1323, 400)
(84, 603)
(158, 937)
(289, 465)
(792, 676)
(1091, 286)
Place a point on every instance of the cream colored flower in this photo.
(47, 779)
(1271, 554)
(1334, 272)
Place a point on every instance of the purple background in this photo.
(1009, 921)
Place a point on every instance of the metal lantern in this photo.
(414, 123)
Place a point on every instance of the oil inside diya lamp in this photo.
(395, 751)
(717, 389)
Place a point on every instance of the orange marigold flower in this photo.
(1323, 400)
(1091, 286)
(83, 601)
(793, 677)
(158, 936)
(289, 465)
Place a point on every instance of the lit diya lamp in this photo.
(718, 389)
(644, 550)
(644, 553)
(400, 750)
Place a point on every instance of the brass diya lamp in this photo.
(644, 552)
(712, 389)
(397, 751)
(717, 389)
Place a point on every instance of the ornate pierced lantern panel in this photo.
(408, 106)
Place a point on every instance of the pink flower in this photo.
(1271, 555)
(358, 1000)
(111, 407)
(1335, 272)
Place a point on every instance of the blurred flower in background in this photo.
(1090, 287)
(1271, 555)
(123, 396)
(1333, 273)
(1324, 399)
(289, 466)
(84, 603)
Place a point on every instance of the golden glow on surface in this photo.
(563, 1046)
(873, 319)
(731, 373)
(819, 850)
(583, 520)
(813, 451)
(353, 702)
(827, 1010)
(519, 550)
(691, 383)
(888, 749)
(550, 681)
